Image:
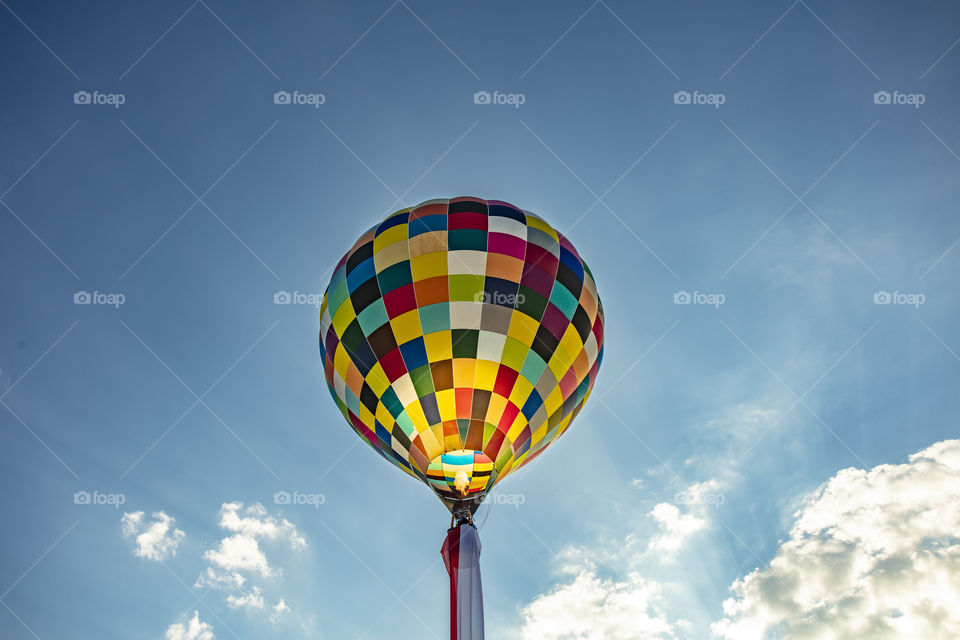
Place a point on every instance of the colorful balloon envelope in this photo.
(460, 338)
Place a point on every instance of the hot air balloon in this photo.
(459, 339)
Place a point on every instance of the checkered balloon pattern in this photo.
(460, 338)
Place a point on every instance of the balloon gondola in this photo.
(459, 339)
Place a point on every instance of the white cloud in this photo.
(702, 492)
(251, 600)
(278, 610)
(155, 540)
(131, 523)
(593, 608)
(675, 527)
(192, 630)
(238, 564)
(255, 522)
(239, 553)
(238, 557)
(609, 593)
(606, 598)
(872, 554)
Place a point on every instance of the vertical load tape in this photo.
(461, 556)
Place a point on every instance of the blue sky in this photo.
(797, 200)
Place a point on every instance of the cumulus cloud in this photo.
(705, 492)
(239, 553)
(154, 540)
(237, 562)
(609, 593)
(595, 608)
(606, 597)
(251, 600)
(676, 527)
(872, 554)
(278, 610)
(255, 522)
(239, 556)
(192, 630)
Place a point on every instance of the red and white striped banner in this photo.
(461, 556)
